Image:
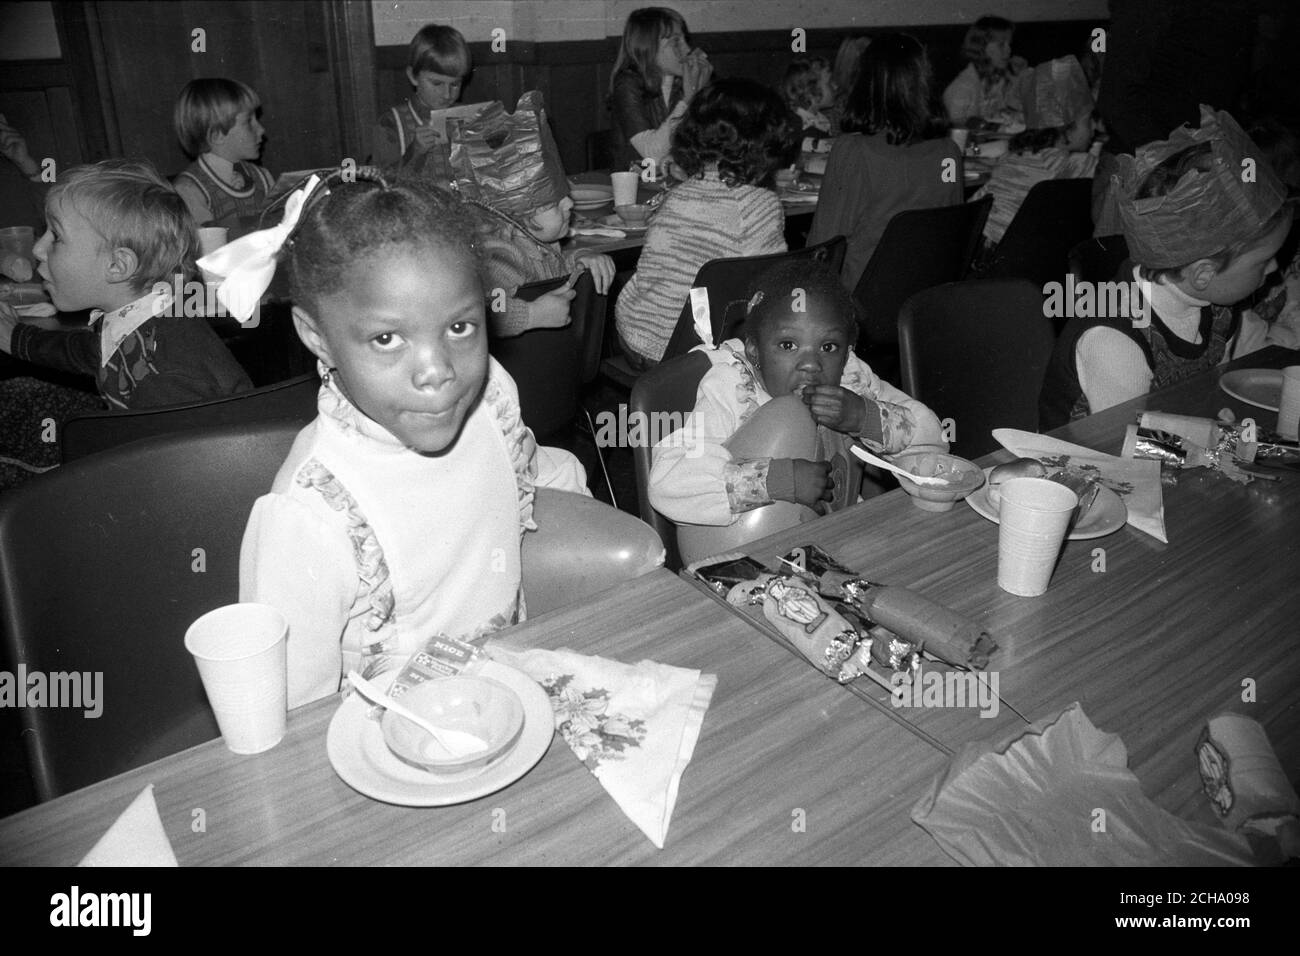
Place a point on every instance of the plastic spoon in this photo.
(871, 459)
(457, 743)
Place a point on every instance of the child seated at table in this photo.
(799, 334)
(984, 93)
(217, 122)
(809, 91)
(1200, 240)
(117, 236)
(399, 512)
(1054, 145)
(405, 140)
(734, 137)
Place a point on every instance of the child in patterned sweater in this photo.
(217, 122)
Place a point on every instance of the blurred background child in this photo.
(983, 94)
(896, 160)
(735, 135)
(1055, 144)
(439, 64)
(217, 124)
(808, 353)
(809, 90)
(655, 77)
(1200, 240)
(399, 513)
(118, 234)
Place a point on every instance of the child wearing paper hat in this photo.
(1058, 132)
(1204, 216)
(508, 168)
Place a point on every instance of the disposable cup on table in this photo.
(240, 650)
(212, 238)
(625, 188)
(1288, 409)
(18, 239)
(959, 135)
(1033, 517)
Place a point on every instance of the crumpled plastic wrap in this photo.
(508, 160)
(1038, 800)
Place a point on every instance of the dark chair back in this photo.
(667, 388)
(1054, 218)
(550, 366)
(293, 401)
(1099, 259)
(104, 564)
(729, 282)
(976, 352)
(920, 249)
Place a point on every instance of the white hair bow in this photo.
(247, 265)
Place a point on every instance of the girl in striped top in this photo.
(734, 136)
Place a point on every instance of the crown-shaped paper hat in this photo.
(1204, 212)
(1054, 94)
(508, 160)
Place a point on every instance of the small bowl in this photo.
(633, 215)
(475, 705)
(962, 476)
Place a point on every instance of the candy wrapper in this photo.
(1245, 781)
(440, 657)
(1177, 442)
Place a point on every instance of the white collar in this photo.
(120, 323)
(1180, 312)
(814, 119)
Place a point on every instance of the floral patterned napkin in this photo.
(634, 726)
(1137, 482)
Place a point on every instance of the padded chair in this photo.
(920, 249)
(1099, 259)
(667, 388)
(976, 352)
(292, 401)
(729, 282)
(100, 572)
(550, 366)
(1054, 218)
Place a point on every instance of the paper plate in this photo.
(356, 748)
(614, 221)
(1106, 516)
(1261, 387)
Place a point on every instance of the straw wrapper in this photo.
(1136, 481)
(1061, 794)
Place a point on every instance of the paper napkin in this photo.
(1061, 794)
(1137, 482)
(634, 726)
(135, 839)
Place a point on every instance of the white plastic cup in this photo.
(20, 240)
(212, 238)
(240, 650)
(960, 135)
(1033, 517)
(1288, 409)
(625, 188)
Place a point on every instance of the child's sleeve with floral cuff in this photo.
(895, 421)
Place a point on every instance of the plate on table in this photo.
(590, 195)
(1106, 516)
(357, 751)
(1261, 387)
(615, 221)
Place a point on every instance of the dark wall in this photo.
(574, 76)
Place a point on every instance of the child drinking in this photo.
(117, 236)
(1200, 240)
(398, 514)
(809, 91)
(799, 336)
(405, 140)
(734, 137)
(654, 79)
(1058, 120)
(217, 123)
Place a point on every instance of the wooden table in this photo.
(776, 740)
(1154, 646)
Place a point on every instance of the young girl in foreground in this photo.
(399, 512)
(794, 345)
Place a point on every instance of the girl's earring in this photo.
(326, 376)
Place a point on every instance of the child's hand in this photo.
(427, 137)
(551, 311)
(8, 322)
(14, 148)
(812, 482)
(836, 407)
(601, 268)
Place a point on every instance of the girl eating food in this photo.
(399, 512)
